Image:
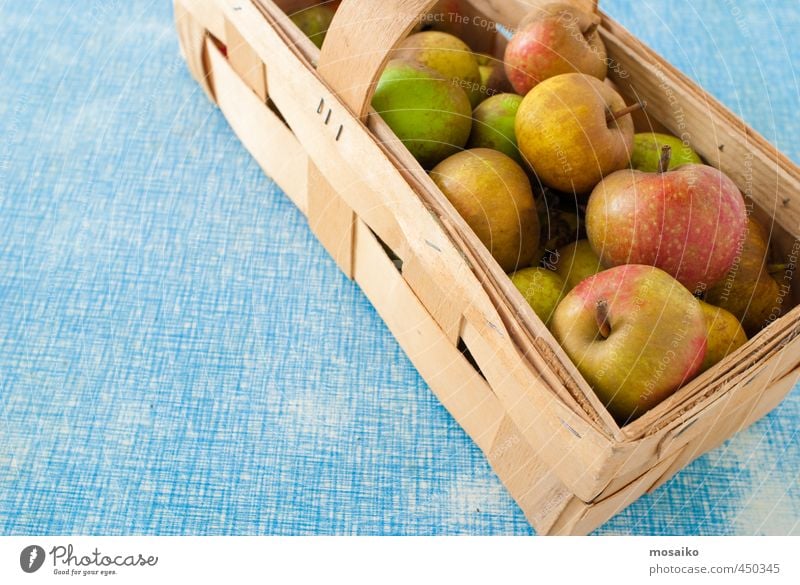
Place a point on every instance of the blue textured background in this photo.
(179, 356)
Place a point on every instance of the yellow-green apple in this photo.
(648, 146)
(576, 262)
(571, 129)
(314, 22)
(493, 195)
(542, 288)
(430, 115)
(446, 54)
(493, 125)
(725, 334)
(688, 222)
(555, 38)
(748, 290)
(635, 333)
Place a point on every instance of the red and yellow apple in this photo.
(554, 39)
(688, 222)
(635, 333)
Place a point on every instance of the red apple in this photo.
(635, 333)
(688, 222)
(556, 38)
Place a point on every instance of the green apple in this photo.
(576, 262)
(493, 195)
(314, 22)
(430, 115)
(564, 132)
(542, 288)
(493, 125)
(725, 335)
(647, 149)
(635, 333)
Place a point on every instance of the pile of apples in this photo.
(651, 270)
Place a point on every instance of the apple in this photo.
(554, 39)
(647, 148)
(493, 195)
(748, 290)
(493, 125)
(635, 333)
(576, 262)
(688, 222)
(493, 75)
(314, 22)
(446, 54)
(430, 115)
(542, 288)
(724, 336)
(573, 130)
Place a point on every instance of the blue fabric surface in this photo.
(178, 355)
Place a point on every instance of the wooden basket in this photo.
(305, 116)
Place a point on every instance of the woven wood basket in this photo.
(304, 115)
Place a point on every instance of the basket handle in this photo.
(358, 44)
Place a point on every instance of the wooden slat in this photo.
(331, 220)
(444, 306)
(192, 36)
(531, 482)
(245, 62)
(264, 135)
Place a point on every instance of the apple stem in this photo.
(590, 30)
(666, 157)
(611, 116)
(602, 318)
(774, 269)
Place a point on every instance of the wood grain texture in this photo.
(245, 62)
(331, 220)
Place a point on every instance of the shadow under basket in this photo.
(305, 116)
